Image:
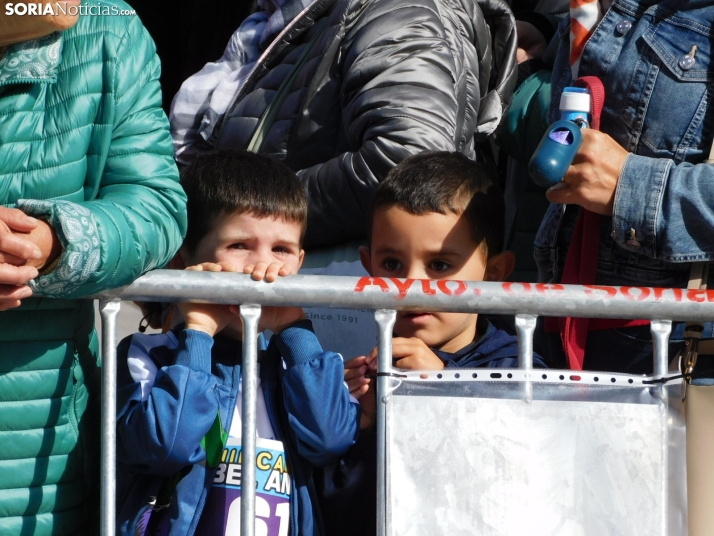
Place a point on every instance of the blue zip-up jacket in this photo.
(496, 348)
(196, 378)
(347, 488)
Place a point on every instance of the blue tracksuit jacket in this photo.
(196, 378)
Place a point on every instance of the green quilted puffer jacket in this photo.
(85, 145)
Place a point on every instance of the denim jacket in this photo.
(657, 107)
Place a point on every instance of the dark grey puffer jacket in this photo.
(384, 80)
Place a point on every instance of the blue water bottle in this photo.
(561, 142)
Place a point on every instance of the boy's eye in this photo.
(281, 249)
(439, 266)
(391, 265)
(237, 245)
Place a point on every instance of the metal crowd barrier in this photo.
(386, 295)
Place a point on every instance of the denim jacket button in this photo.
(633, 244)
(623, 27)
(686, 62)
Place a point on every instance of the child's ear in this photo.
(302, 258)
(177, 263)
(366, 259)
(500, 266)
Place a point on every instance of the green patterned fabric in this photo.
(85, 145)
(32, 61)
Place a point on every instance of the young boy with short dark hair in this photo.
(179, 406)
(436, 216)
(439, 216)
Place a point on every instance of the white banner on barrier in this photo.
(462, 466)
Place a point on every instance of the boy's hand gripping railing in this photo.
(524, 300)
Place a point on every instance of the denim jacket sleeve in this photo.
(321, 413)
(161, 431)
(665, 210)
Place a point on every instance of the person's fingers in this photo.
(16, 275)
(271, 272)
(404, 363)
(355, 362)
(19, 246)
(562, 193)
(351, 374)
(372, 360)
(402, 347)
(6, 258)
(5, 305)
(286, 269)
(211, 267)
(10, 296)
(356, 383)
(17, 220)
(257, 272)
(360, 392)
(196, 268)
(14, 292)
(227, 266)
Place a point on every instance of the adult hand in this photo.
(13, 284)
(16, 249)
(591, 180)
(531, 43)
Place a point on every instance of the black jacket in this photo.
(384, 80)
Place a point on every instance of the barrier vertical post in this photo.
(525, 328)
(661, 330)
(385, 319)
(109, 310)
(249, 315)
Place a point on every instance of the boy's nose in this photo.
(259, 255)
(415, 272)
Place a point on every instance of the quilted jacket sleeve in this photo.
(136, 220)
(399, 97)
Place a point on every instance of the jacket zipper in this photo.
(198, 511)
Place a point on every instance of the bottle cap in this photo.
(575, 102)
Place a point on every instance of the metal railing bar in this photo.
(455, 296)
(385, 323)
(250, 315)
(109, 310)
